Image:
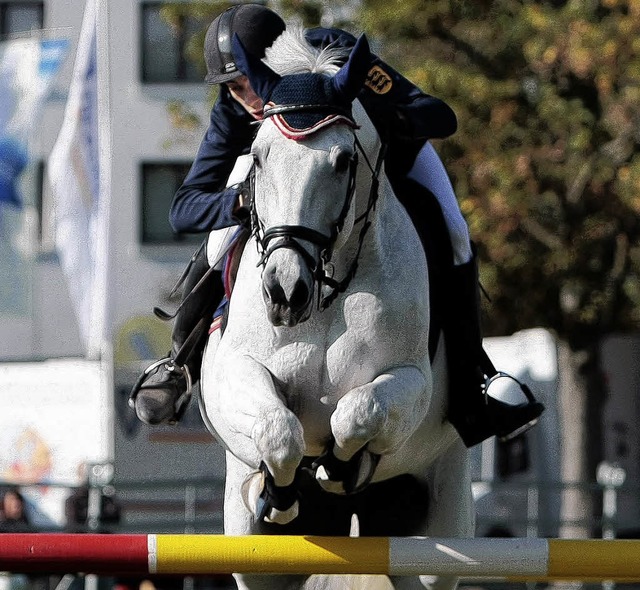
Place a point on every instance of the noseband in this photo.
(289, 236)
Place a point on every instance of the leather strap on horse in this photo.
(341, 286)
(273, 496)
(283, 109)
(289, 234)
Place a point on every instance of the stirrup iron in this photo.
(181, 402)
(490, 380)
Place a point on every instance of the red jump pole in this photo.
(57, 553)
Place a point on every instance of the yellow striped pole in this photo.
(512, 559)
(595, 559)
(199, 554)
(502, 559)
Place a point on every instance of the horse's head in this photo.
(305, 165)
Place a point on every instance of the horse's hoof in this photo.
(328, 484)
(275, 516)
(345, 477)
(262, 499)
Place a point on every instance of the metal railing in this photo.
(195, 506)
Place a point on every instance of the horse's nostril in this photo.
(274, 291)
(300, 295)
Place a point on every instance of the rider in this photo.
(406, 119)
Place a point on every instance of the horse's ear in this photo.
(351, 77)
(262, 78)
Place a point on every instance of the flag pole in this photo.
(81, 204)
(100, 340)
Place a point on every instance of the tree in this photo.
(546, 163)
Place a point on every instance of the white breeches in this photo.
(429, 171)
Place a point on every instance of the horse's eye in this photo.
(341, 159)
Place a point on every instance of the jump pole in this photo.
(168, 554)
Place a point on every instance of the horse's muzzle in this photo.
(286, 309)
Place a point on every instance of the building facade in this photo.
(158, 111)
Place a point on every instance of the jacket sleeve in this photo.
(394, 104)
(203, 203)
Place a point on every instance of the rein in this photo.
(338, 287)
(289, 235)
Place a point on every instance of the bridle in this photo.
(289, 236)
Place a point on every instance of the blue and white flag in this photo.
(80, 201)
(27, 69)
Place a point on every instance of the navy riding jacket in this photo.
(203, 203)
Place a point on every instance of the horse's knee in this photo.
(383, 413)
(357, 419)
(279, 438)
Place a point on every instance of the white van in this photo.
(620, 365)
(516, 483)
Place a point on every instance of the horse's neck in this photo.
(385, 216)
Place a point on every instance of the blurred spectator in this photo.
(76, 508)
(13, 512)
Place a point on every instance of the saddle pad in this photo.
(229, 273)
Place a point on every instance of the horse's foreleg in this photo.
(382, 415)
(248, 414)
(451, 508)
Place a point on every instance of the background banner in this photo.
(27, 70)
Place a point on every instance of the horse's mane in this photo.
(291, 53)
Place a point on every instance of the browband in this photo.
(282, 109)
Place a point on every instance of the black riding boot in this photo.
(476, 415)
(162, 392)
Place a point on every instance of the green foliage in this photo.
(193, 15)
(546, 161)
(308, 12)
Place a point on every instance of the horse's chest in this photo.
(312, 380)
(334, 357)
(305, 370)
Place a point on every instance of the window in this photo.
(20, 17)
(165, 46)
(160, 181)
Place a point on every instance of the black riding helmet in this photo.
(257, 26)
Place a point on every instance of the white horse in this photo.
(321, 387)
